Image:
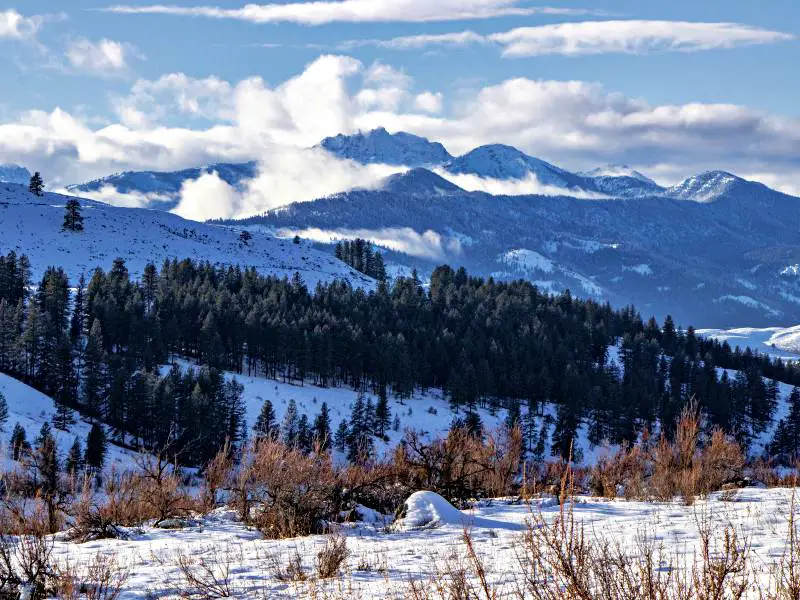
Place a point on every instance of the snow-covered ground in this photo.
(384, 560)
(779, 342)
(32, 225)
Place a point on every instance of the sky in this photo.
(671, 88)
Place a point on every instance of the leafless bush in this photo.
(102, 578)
(331, 557)
(287, 568)
(208, 574)
(91, 520)
(25, 562)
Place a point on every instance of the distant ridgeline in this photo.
(501, 344)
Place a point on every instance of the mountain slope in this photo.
(14, 174)
(716, 264)
(32, 225)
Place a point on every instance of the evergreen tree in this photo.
(290, 424)
(304, 436)
(265, 424)
(73, 219)
(341, 436)
(321, 430)
(96, 448)
(382, 414)
(19, 442)
(36, 184)
(3, 412)
(74, 462)
(76, 325)
(94, 372)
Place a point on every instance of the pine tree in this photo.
(290, 424)
(36, 185)
(96, 448)
(73, 219)
(382, 414)
(74, 462)
(95, 383)
(304, 434)
(341, 436)
(3, 412)
(321, 430)
(19, 442)
(265, 424)
(76, 325)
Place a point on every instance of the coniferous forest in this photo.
(98, 346)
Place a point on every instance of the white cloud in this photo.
(570, 123)
(631, 37)
(429, 102)
(510, 187)
(15, 26)
(357, 11)
(103, 56)
(429, 244)
(595, 37)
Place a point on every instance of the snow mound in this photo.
(427, 510)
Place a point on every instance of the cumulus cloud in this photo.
(595, 37)
(320, 12)
(15, 26)
(429, 102)
(103, 56)
(428, 244)
(286, 175)
(574, 124)
(109, 194)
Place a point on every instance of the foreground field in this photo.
(427, 555)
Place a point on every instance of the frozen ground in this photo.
(383, 561)
(779, 342)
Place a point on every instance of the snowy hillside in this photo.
(31, 409)
(379, 146)
(780, 342)
(32, 225)
(14, 174)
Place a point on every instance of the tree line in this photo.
(556, 363)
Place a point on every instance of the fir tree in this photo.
(74, 462)
(36, 184)
(290, 424)
(96, 448)
(19, 442)
(341, 436)
(73, 219)
(94, 372)
(321, 430)
(382, 414)
(3, 412)
(265, 424)
(304, 436)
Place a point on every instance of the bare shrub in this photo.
(102, 578)
(460, 466)
(158, 485)
(287, 568)
(25, 563)
(209, 574)
(331, 557)
(91, 520)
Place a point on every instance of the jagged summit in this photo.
(705, 187)
(380, 146)
(10, 173)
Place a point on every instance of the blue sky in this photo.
(92, 86)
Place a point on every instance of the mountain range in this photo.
(715, 250)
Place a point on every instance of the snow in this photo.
(383, 561)
(526, 261)
(705, 187)
(379, 146)
(32, 409)
(791, 270)
(749, 301)
(643, 269)
(617, 171)
(14, 174)
(429, 509)
(32, 226)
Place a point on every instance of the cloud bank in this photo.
(574, 124)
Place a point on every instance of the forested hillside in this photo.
(101, 349)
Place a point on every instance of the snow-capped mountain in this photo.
(164, 187)
(712, 263)
(497, 161)
(380, 146)
(32, 225)
(14, 174)
(705, 187)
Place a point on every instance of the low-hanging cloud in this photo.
(428, 244)
(530, 185)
